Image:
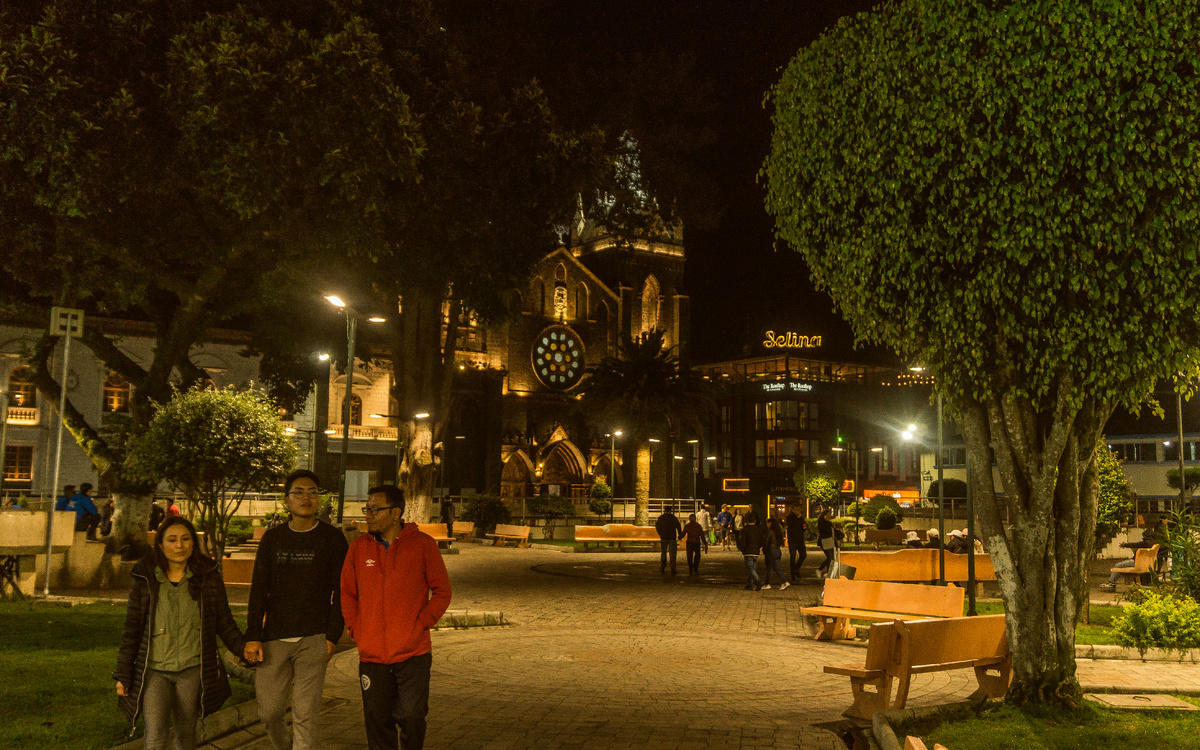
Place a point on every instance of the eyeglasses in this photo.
(369, 511)
(304, 493)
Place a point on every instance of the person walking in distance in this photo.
(448, 515)
(394, 589)
(696, 539)
(739, 521)
(826, 541)
(750, 542)
(724, 524)
(704, 518)
(797, 533)
(773, 549)
(669, 534)
(295, 618)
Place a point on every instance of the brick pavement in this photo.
(604, 652)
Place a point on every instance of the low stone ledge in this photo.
(1132, 654)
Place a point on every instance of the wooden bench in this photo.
(505, 531)
(438, 532)
(464, 529)
(1145, 560)
(846, 599)
(915, 565)
(889, 537)
(619, 534)
(900, 649)
(237, 571)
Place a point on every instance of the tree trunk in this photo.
(641, 487)
(1047, 466)
(130, 521)
(419, 470)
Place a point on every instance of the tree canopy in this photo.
(1005, 192)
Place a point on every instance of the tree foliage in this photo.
(1114, 506)
(877, 504)
(1006, 193)
(214, 446)
(824, 481)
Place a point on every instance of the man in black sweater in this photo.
(669, 534)
(295, 618)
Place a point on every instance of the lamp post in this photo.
(3, 437)
(695, 443)
(650, 469)
(612, 471)
(909, 435)
(351, 329)
(68, 323)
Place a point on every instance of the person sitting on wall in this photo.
(64, 500)
(935, 539)
(913, 541)
(87, 517)
(956, 544)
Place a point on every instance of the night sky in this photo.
(739, 282)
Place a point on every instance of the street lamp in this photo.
(695, 443)
(351, 328)
(612, 471)
(650, 468)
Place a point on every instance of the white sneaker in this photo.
(784, 586)
(767, 586)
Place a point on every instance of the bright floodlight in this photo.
(655, 440)
(907, 435)
(617, 433)
(378, 416)
(877, 450)
(421, 415)
(912, 428)
(290, 430)
(377, 319)
(323, 357)
(917, 368)
(330, 431)
(712, 458)
(679, 458)
(335, 301)
(819, 461)
(839, 450)
(694, 441)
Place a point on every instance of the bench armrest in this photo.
(855, 670)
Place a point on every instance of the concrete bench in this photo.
(1145, 561)
(846, 599)
(505, 531)
(915, 565)
(898, 650)
(889, 537)
(619, 534)
(22, 538)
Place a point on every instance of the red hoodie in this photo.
(385, 595)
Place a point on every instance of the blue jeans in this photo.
(1123, 564)
(772, 559)
(752, 570)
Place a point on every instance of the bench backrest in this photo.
(435, 530)
(505, 529)
(258, 532)
(951, 640)
(464, 527)
(237, 569)
(915, 565)
(886, 535)
(901, 598)
(1145, 560)
(590, 532)
(883, 642)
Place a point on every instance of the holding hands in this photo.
(253, 652)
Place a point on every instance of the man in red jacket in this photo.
(387, 581)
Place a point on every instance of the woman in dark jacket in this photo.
(773, 549)
(168, 661)
(826, 541)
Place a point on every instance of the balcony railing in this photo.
(365, 432)
(22, 415)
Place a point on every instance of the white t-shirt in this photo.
(704, 519)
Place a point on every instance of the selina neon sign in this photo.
(790, 340)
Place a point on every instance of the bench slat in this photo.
(859, 614)
(854, 670)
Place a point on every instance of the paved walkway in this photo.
(603, 652)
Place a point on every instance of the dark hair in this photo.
(85, 488)
(394, 495)
(67, 489)
(198, 563)
(290, 479)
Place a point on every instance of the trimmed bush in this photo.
(1159, 621)
(886, 519)
(878, 503)
(240, 529)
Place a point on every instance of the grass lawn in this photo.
(1088, 728)
(1097, 633)
(56, 664)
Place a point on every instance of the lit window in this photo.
(21, 392)
(18, 463)
(116, 394)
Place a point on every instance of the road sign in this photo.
(66, 321)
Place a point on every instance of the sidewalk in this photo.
(603, 652)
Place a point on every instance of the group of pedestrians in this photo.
(388, 587)
(87, 517)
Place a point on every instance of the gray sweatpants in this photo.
(168, 693)
(295, 670)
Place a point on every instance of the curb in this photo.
(217, 724)
(1132, 654)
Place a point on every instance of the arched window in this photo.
(355, 409)
(560, 273)
(581, 302)
(116, 394)
(650, 295)
(21, 392)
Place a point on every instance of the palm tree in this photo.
(650, 395)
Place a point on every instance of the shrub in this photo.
(600, 506)
(240, 529)
(1114, 506)
(886, 519)
(601, 498)
(878, 503)
(485, 511)
(551, 506)
(1159, 621)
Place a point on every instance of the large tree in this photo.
(162, 161)
(649, 394)
(1005, 192)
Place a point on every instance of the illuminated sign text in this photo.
(790, 340)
